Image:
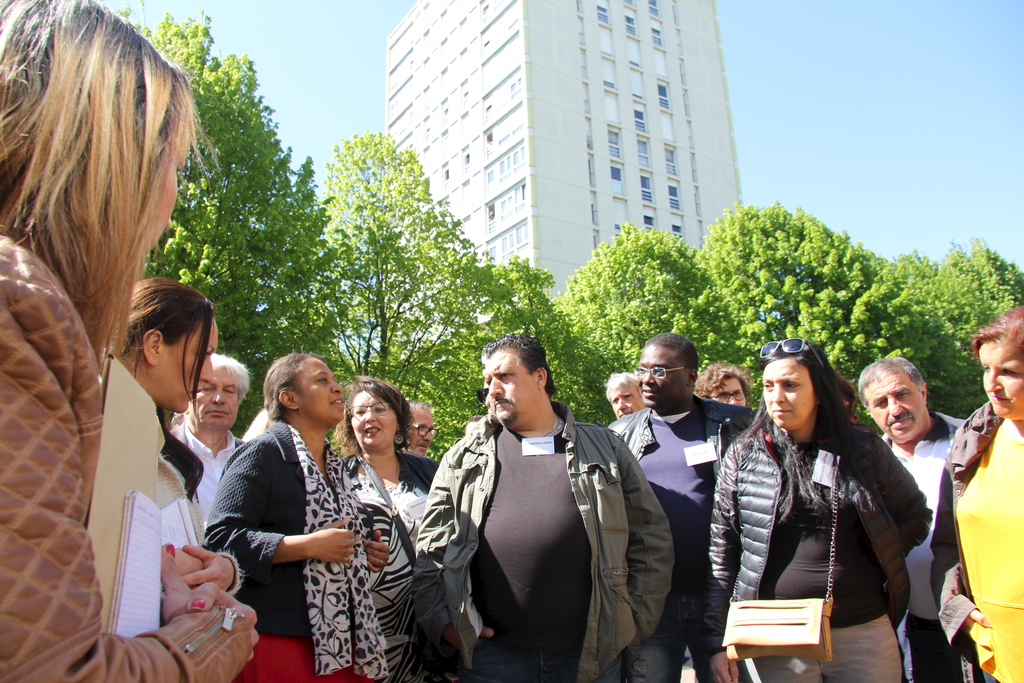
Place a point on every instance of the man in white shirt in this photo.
(895, 394)
(206, 429)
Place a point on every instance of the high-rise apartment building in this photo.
(546, 124)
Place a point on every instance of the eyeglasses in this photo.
(793, 346)
(423, 430)
(359, 412)
(481, 395)
(725, 396)
(656, 371)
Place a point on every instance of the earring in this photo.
(399, 439)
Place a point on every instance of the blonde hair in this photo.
(92, 117)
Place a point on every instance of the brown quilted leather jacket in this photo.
(50, 417)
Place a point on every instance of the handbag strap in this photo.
(403, 532)
(835, 525)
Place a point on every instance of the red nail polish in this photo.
(197, 605)
(170, 549)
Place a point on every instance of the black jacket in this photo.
(415, 469)
(260, 499)
(723, 422)
(746, 505)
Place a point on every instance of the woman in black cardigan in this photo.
(285, 509)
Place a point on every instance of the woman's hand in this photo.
(179, 599)
(977, 617)
(212, 567)
(333, 543)
(377, 553)
(724, 669)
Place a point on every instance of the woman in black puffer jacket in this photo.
(772, 524)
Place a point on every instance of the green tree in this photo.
(643, 283)
(960, 294)
(248, 229)
(776, 274)
(407, 286)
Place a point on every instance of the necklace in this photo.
(559, 423)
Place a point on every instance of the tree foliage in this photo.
(248, 229)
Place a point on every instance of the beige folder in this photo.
(129, 453)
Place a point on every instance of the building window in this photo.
(663, 95)
(602, 15)
(611, 107)
(617, 185)
(520, 195)
(507, 205)
(621, 215)
(677, 230)
(670, 161)
(656, 36)
(693, 166)
(630, 23)
(583, 36)
(583, 65)
(689, 132)
(465, 163)
(597, 235)
(446, 176)
(673, 196)
(606, 41)
(686, 103)
(646, 188)
(591, 171)
(696, 200)
(643, 153)
(633, 49)
(682, 72)
(668, 131)
(653, 4)
(613, 143)
(637, 80)
(639, 120)
(519, 158)
(491, 223)
(586, 99)
(608, 73)
(590, 136)
(515, 87)
(648, 221)
(593, 208)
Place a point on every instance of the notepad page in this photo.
(138, 609)
(174, 531)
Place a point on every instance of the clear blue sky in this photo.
(900, 122)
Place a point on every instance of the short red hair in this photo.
(1005, 330)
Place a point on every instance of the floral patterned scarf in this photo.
(338, 599)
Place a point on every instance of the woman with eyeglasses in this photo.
(287, 510)
(801, 485)
(393, 484)
(976, 571)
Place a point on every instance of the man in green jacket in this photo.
(543, 550)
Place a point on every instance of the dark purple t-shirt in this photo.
(531, 575)
(686, 492)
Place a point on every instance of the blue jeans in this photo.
(659, 658)
(494, 663)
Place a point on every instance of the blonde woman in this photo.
(94, 124)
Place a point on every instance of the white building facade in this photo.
(546, 124)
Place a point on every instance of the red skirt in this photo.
(289, 659)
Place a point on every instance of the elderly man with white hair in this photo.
(206, 429)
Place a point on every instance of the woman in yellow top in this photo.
(978, 553)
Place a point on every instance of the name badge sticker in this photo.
(824, 469)
(700, 454)
(538, 445)
(414, 508)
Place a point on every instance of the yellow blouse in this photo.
(991, 521)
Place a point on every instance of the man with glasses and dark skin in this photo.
(543, 551)
(423, 429)
(679, 440)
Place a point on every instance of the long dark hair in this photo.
(179, 312)
(832, 432)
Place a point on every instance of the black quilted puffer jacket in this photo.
(746, 502)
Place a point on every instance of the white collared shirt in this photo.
(213, 465)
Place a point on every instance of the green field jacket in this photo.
(630, 542)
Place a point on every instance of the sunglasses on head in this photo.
(791, 346)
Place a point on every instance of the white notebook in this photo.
(135, 606)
